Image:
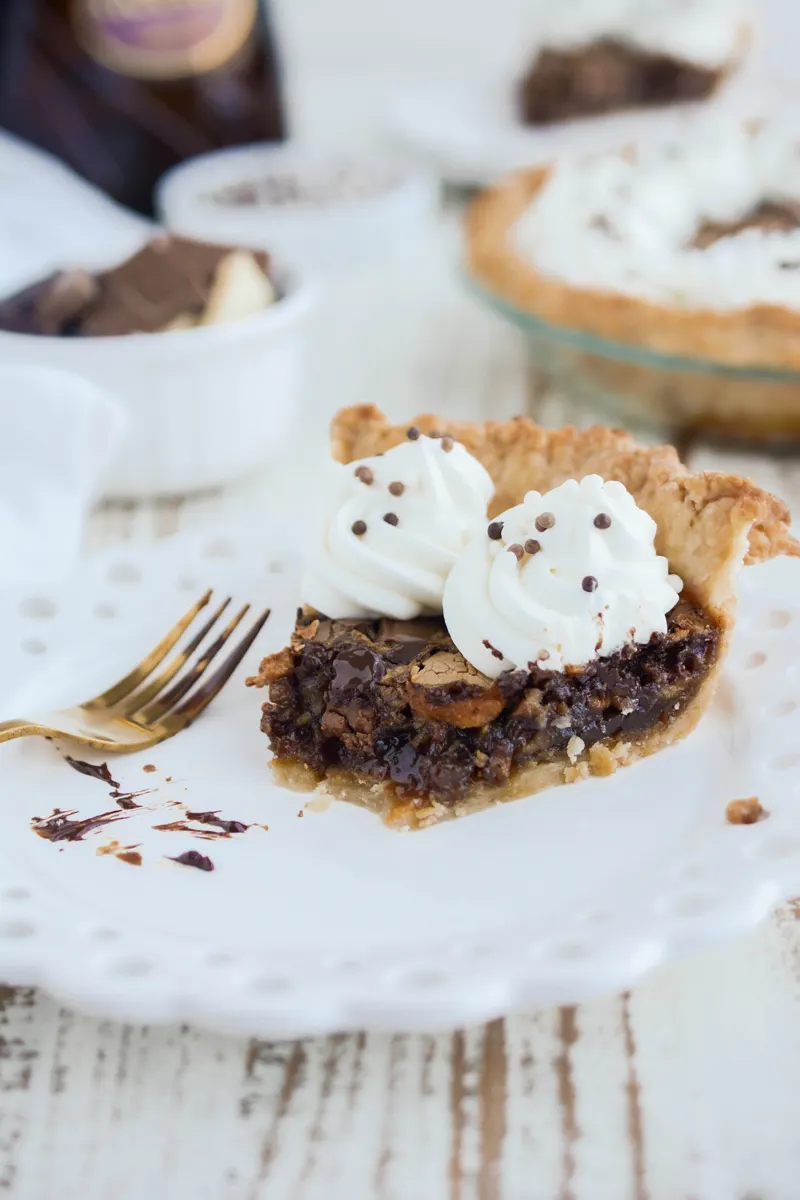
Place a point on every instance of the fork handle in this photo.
(21, 728)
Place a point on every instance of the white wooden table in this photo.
(685, 1089)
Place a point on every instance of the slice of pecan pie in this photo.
(564, 649)
(596, 58)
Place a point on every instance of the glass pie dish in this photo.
(676, 397)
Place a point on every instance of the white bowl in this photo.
(205, 405)
(314, 239)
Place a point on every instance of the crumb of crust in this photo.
(149, 767)
(575, 747)
(574, 774)
(745, 812)
(274, 666)
(300, 812)
(603, 761)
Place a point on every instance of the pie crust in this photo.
(709, 525)
(763, 336)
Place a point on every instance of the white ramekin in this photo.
(317, 240)
(205, 405)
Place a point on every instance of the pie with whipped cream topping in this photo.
(546, 605)
(666, 247)
(601, 56)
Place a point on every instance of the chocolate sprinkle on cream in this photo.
(359, 527)
(589, 583)
(365, 475)
(495, 530)
(545, 520)
(602, 521)
(397, 488)
(191, 858)
(391, 518)
(517, 551)
(532, 546)
(492, 650)
(412, 433)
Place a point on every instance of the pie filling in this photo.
(607, 76)
(394, 703)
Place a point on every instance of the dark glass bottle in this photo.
(122, 90)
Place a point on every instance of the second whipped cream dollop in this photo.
(392, 529)
(559, 580)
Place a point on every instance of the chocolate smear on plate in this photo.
(191, 858)
(93, 770)
(63, 827)
(211, 818)
(182, 827)
(127, 800)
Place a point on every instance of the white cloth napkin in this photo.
(58, 435)
(58, 431)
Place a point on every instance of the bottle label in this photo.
(163, 39)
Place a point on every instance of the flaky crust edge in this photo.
(762, 335)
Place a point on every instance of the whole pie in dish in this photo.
(602, 56)
(492, 609)
(669, 250)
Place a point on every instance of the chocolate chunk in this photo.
(532, 546)
(495, 530)
(602, 521)
(359, 528)
(365, 475)
(391, 518)
(544, 521)
(589, 583)
(397, 488)
(516, 550)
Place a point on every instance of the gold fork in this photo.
(132, 714)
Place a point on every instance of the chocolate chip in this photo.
(391, 518)
(532, 546)
(397, 488)
(789, 266)
(545, 521)
(447, 444)
(359, 527)
(435, 433)
(516, 550)
(602, 521)
(589, 583)
(365, 475)
(495, 530)
(412, 433)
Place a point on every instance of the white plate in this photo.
(471, 132)
(331, 921)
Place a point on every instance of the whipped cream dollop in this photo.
(559, 580)
(392, 528)
(627, 221)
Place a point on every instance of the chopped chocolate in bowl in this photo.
(172, 283)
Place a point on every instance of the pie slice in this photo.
(389, 714)
(610, 75)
